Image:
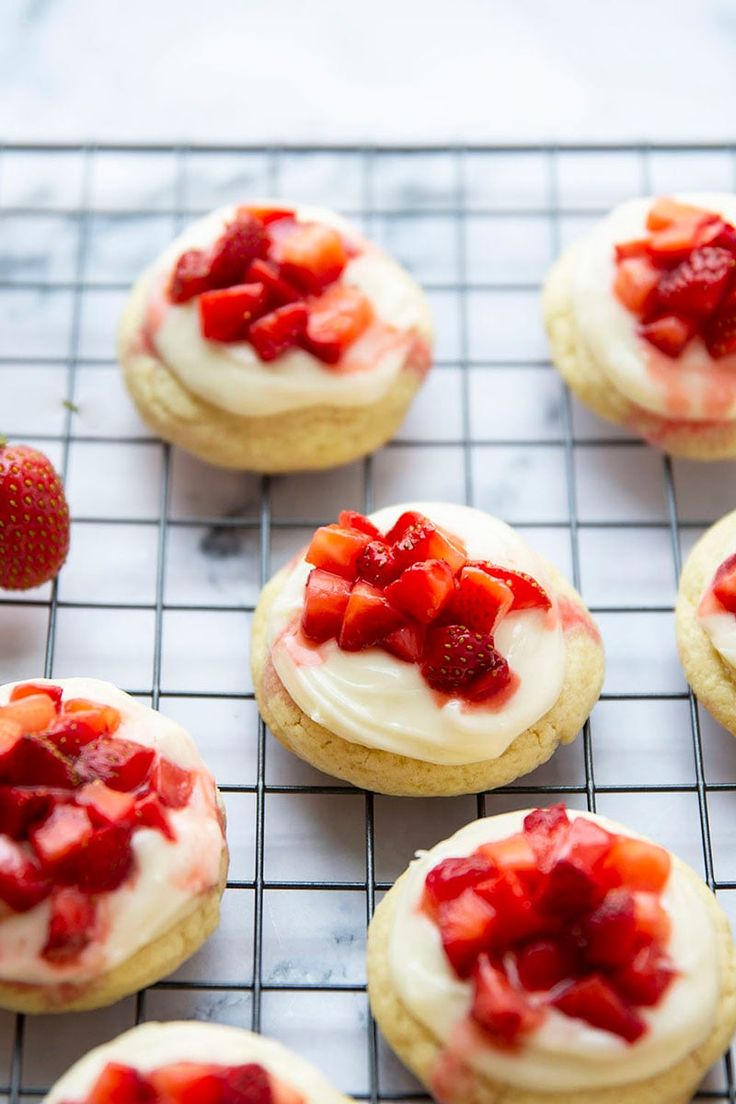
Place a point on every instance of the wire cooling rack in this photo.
(168, 555)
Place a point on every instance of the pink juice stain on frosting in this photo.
(453, 1078)
(717, 390)
(574, 617)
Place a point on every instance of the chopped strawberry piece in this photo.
(23, 884)
(62, 837)
(280, 291)
(106, 862)
(33, 713)
(150, 813)
(498, 1007)
(422, 590)
(173, 783)
(574, 881)
(610, 930)
(351, 519)
(664, 211)
(21, 806)
(106, 806)
(527, 592)
(406, 642)
(544, 963)
(337, 550)
(248, 1084)
(653, 924)
(118, 1084)
(325, 602)
(377, 565)
(11, 736)
(517, 918)
(266, 215)
(238, 245)
(696, 286)
(187, 1083)
(122, 764)
(638, 864)
(103, 718)
(190, 276)
(36, 762)
(451, 877)
(635, 282)
(403, 523)
(368, 618)
(278, 331)
(514, 853)
(720, 330)
(422, 540)
(670, 333)
(493, 682)
(224, 315)
(71, 927)
(592, 999)
(454, 657)
(645, 978)
(479, 601)
(27, 689)
(636, 248)
(545, 829)
(466, 925)
(337, 318)
(71, 733)
(717, 232)
(724, 584)
(672, 244)
(313, 255)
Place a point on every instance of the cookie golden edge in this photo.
(711, 678)
(398, 775)
(315, 1088)
(420, 1050)
(310, 438)
(587, 379)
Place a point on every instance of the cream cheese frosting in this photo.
(169, 876)
(232, 377)
(718, 622)
(376, 700)
(564, 1054)
(694, 387)
(153, 1045)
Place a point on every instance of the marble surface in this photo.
(421, 70)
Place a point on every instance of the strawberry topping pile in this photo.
(413, 592)
(680, 280)
(563, 914)
(190, 1083)
(272, 281)
(71, 796)
(724, 584)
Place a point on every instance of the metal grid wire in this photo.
(462, 218)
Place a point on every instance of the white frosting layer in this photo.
(564, 1054)
(232, 376)
(159, 1044)
(374, 699)
(693, 387)
(170, 874)
(718, 622)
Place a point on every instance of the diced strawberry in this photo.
(670, 333)
(696, 286)
(150, 813)
(106, 862)
(653, 924)
(325, 601)
(337, 550)
(466, 924)
(422, 540)
(369, 617)
(724, 584)
(637, 864)
(187, 1083)
(313, 255)
(645, 978)
(11, 736)
(27, 689)
(238, 245)
(61, 837)
(513, 853)
(172, 783)
(544, 963)
(71, 733)
(406, 642)
(479, 601)
(71, 927)
(337, 318)
(376, 564)
(106, 806)
(22, 882)
(610, 930)
(122, 764)
(488, 685)
(517, 918)
(403, 523)
(720, 330)
(636, 248)
(22, 806)
(635, 282)
(280, 291)
(224, 315)
(266, 215)
(103, 718)
(527, 592)
(451, 877)
(351, 519)
(119, 1084)
(33, 713)
(545, 829)
(190, 276)
(278, 331)
(281, 1093)
(671, 245)
(422, 590)
(593, 1000)
(36, 762)
(454, 657)
(574, 882)
(247, 1084)
(664, 211)
(499, 1008)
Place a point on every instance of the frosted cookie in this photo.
(553, 957)
(112, 848)
(706, 620)
(641, 317)
(275, 339)
(423, 650)
(192, 1063)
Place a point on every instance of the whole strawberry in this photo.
(34, 518)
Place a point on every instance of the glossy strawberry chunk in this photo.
(104, 805)
(635, 283)
(107, 860)
(28, 689)
(479, 600)
(527, 592)
(670, 333)
(23, 884)
(672, 244)
(466, 927)
(696, 286)
(653, 924)
(190, 276)
(336, 319)
(406, 642)
(11, 736)
(337, 550)
(312, 255)
(368, 618)
(719, 332)
(36, 762)
(122, 764)
(610, 930)
(278, 289)
(724, 584)
(225, 314)
(351, 519)
(543, 963)
(665, 211)
(34, 712)
(238, 245)
(103, 718)
(325, 602)
(71, 732)
(638, 864)
(22, 806)
(188, 1083)
(503, 1011)
(423, 590)
(513, 853)
(574, 882)
(419, 540)
(172, 783)
(517, 917)
(454, 657)
(119, 1084)
(546, 829)
(62, 837)
(267, 215)
(248, 1084)
(150, 813)
(645, 978)
(71, 927)
(451, 877)
(592, 999)
(377, 564)
(274, 333)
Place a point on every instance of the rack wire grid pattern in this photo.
(168, 554)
